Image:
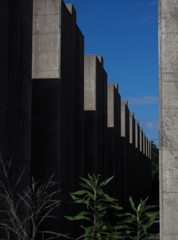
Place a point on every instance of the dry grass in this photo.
(38, 201)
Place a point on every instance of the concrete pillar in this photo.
(168, 115)
(125, 152)
(114, 145)
(95, 113)
(132, 153)
(57, 102)
(144, 166)
(137, 161)
(141, 165)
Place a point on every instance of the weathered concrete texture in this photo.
(125, 153)
(114, 141)
(57, 106)
(95, 114)
(168, 115)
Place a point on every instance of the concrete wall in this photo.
(168, 115)
(79, 123)
(57, 101)
(15, 88)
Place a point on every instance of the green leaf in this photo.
(139, 207)
(130, 219)
(122, 227)
(149, 223)
(147, 208)
(152, 214)
(87, 182)
(86, 186)
(81, 192)
(132, 204)
(105, 182)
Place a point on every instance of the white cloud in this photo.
(146, 100)
(153, 3)
(150, 124)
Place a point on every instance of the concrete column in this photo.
(114, 144)
(58, 102)
(125, 151)
(136, 162)
(131, 153)
(141, 165)
(95, 112)
(144, 166)
(168, 115)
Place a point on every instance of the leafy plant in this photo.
(37, 200)
(97, 203)
(155, 161)
(140, 220)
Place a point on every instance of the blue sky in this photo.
(125, 33)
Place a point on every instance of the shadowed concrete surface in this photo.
(15, 89)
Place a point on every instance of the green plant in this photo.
(140, 220)
(37, 201)
(155, 161)
(97, 203)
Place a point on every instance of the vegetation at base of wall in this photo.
(131, 226)
(37, 201)
(155, 161)
(97, 203)
(140, 220)
(40, 203)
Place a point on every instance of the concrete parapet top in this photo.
(72, 10)
(113, 84)
(132, 114)
(100, 58)
(124, 101)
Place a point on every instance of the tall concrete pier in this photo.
(57, 100)
(95, 115)
(168, 93)
(114, 140)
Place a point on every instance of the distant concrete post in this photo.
(168, 116)
(132, 153)
(125, 151)
(136, 162)
(141, 164)
(114, 141)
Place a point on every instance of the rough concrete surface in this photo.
(168, 114)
